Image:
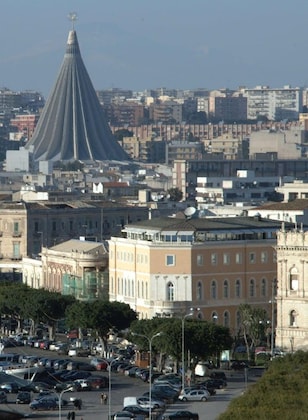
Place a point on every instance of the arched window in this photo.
(263, 287)
(238, 288)
(170, 291)
(226, 319)
(293, 279)
(293, 318)
(133, 288)
(226, 289)
(215, 317)
(118, 291)
(213, 290)
(251, 288)
(199, 291)
(142, 290)
(238, 320)
(146, 290)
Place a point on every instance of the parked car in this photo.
(144, 402)
(181, 415)
(10, 387)
(137, 410)
(23, 397)
(195, 395)
(214, 383)
(47, 403)
(123, 415)
(3, 397)
(218, 375)
(98, 363)
(239, 365)
(98, 382)
(82, 385)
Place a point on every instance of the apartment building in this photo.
(275, 104)
(27, 226)
(292, 300)
(185, 173)
(164, 266)
(76, 267)
(246, 187)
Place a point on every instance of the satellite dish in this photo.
(189, 212)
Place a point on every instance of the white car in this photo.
(195, 395)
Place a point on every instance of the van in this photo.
(127, 401)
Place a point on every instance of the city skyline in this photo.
(174, 44)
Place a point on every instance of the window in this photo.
(199, 260)
(238, 288)
(170, 291)
(16, 227)
(252, 257)
(16, 250)
(252, 288)
(293, 319)
(226, 259)
(263, 287)
(226, 319)
(170, 260)
(238, 320)
(213, 289)
(199, 291)
(226, 289)
(263, 257)
(214, 259)
(293, 279)
(238, 258)
(214, 317)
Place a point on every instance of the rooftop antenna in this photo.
(73, 17)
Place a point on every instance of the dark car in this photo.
(47, 403)
(215, 383)
(23, 397)
(181, 415)
(239, 365)
(137, 410)
(98, 382)
(218, 375)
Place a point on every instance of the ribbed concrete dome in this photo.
(72, 125)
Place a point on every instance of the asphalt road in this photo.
(122, 386)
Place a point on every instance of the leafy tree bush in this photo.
(281, 393)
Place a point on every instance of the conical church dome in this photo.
(72, 125)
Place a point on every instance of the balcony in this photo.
(16, 234)
(16, 257)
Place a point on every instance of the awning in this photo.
(185, 232)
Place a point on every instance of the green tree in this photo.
(175, 194)
(100, 316)
(202, 338)
(252, 325)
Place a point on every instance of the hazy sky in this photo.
(139, 44)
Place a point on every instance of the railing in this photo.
(16, 234)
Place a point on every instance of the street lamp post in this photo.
(60, 399)
(183, 347)
(150, 339)
(109, 385)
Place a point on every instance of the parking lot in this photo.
(123, 386)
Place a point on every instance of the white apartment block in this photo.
(244, 188)
(275, 104)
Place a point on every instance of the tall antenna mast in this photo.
(73, 17)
